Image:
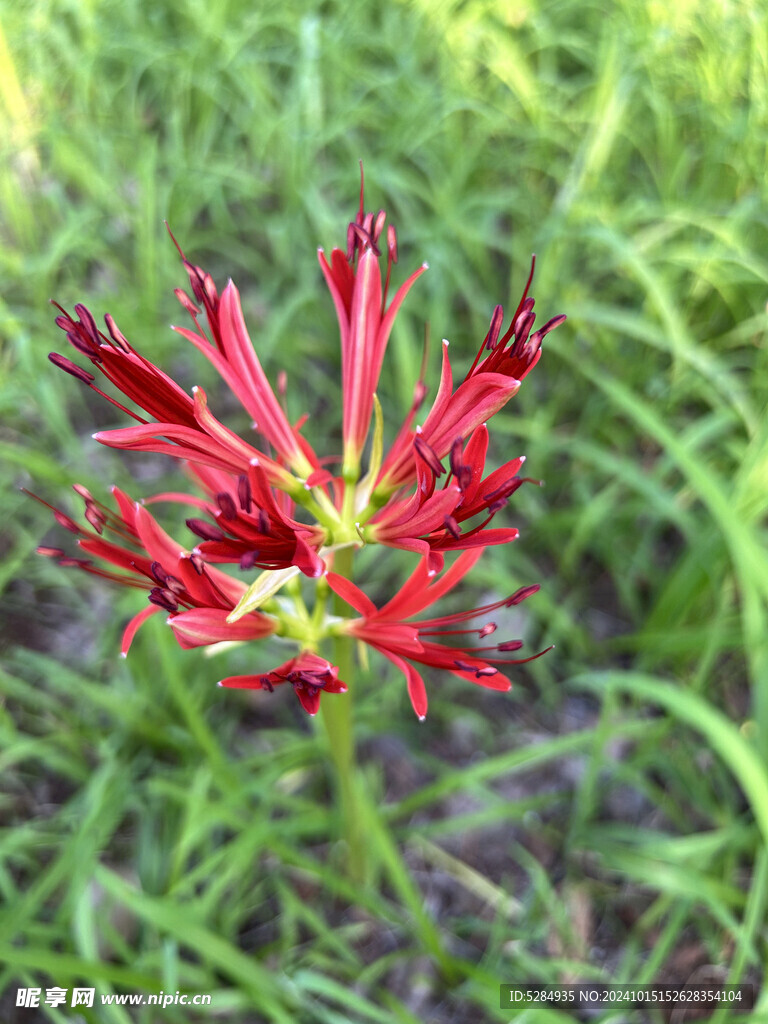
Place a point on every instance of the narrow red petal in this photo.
(417, 692)
(133, 626)
(242, 682)
(198, 627)
(416, 689)
(473, 402)
(309, 699)
(239, 350)
(350, 593)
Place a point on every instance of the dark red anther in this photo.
(461, 470)
(81, 341)
(510, 645)
(497, 505)
(50, 552)
(452, 527)
(195, 279)
(498, 492)
(165, 579)
(464, 665)
(521, 594)
(204, 530)
(209, 291)
(494, 330)
(378, 226)
(550, 325)
(64, 322)
(186, 302)
(174, 585)
(503, 490)
(457, 449)
(87, 321)
(159, 573)
(533, 345)
(525, 308)
(481, 673)
(464, 476)
(227, 505)
(266, 685)
(163, 598)
(116, 334)
(198, 563)
(523, 326)
(364, 239)
(96, 518)
(428, 454)
(63, 520)
(244, 495)
(392, 242)
(74, 563)
(248, 560)
(84, 493)
(264, 526)
(72, 368)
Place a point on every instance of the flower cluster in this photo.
(272, 503)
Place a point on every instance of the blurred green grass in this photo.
(608, 819)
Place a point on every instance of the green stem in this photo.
(337, 719)
(370, 843)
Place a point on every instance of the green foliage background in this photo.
(607, 820)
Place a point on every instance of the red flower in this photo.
(429, 494)
(250, 526)
(429, 522)
(255, 531)
(309, 674)
(197, 597)
(404, 642)
(365, 322)
(181, 425)
(487, 387)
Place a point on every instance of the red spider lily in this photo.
(309, 674)
(487, 387)
(182, 425)
(249, 525)
(404, 642)
(197, 597)
(428, 495)
(429, 521)
(365, 322)
(233, 355)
